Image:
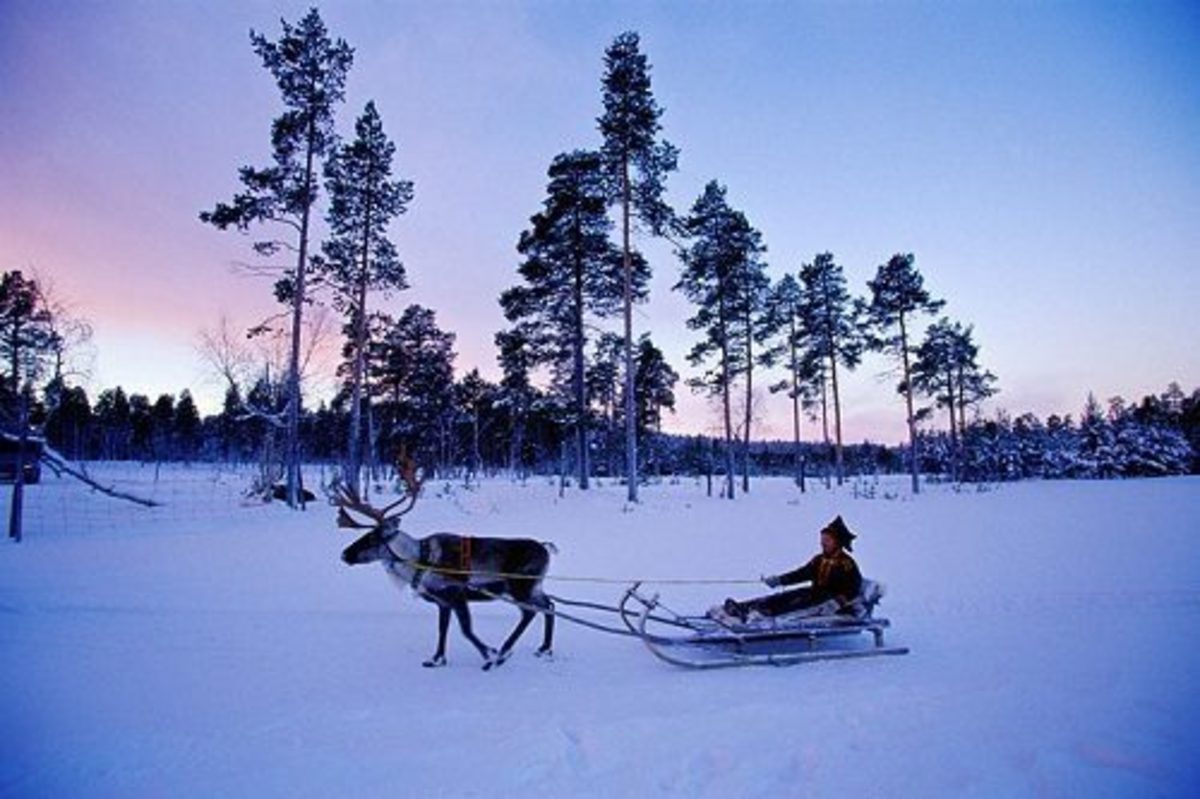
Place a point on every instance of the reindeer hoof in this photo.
(435, 662)
(544, 654)
(496, 660)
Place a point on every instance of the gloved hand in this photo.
(771, 580)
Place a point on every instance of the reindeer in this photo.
(451, 570)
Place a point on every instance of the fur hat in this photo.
(838, 529)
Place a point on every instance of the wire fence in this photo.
(193, 497)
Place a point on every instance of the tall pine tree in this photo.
(310, 71)
(636, 163)
(359, 256)
(897, 296)
(571, 271)
(721, 276)
(784, 327)
(836, 340)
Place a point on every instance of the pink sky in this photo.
(1050, 192)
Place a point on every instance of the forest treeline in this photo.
(468, 425)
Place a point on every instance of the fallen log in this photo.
(61, 466)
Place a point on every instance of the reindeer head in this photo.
(382, 525)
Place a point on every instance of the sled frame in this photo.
(713, 645)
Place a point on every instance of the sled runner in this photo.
(717, 640)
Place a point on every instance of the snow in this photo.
(213, 648)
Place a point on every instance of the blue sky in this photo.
(1040, 160)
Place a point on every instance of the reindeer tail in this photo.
(550, 546)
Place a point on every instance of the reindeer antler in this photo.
(407, 468)
(346, 499)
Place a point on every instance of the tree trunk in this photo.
(354, 443)
(476, 457)
(749, 400)
(837, 417)
(708, 463)
(16, 518)
(962, 405)
(631, 454)
(371, 456)
(914, 455)
(519, 444)
(292, 447)
(580, 389)
(795, 366)
(953, 426)
(825, 428)
(729, 467)
(562, 463)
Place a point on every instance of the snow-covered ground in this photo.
(213, 649)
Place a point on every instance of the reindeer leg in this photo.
(439, 657)
(506, 649)
(464, 623)
(546, 649)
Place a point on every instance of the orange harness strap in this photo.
(466, 554)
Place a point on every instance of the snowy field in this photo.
(210, 648)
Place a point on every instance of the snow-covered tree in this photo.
(946, 369)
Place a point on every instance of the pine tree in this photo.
(783, 326)
(636, 163)
(571, 271)
(310, 71)
(835, 336)
(162, 428)
(604, 381)
(897, 296)
(113, 415)
(26, 336)
(754, 286)
(946, 370)
(516, 394)
(1097, 445)
(412, 365)
(27, 339)
(973, 383)
(721, 276)
(472, 396)
(359, 256)
(654, 382)
(69, 423)
(186, 425)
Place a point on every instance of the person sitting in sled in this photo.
(833, 574)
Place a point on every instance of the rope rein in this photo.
(562, 578)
